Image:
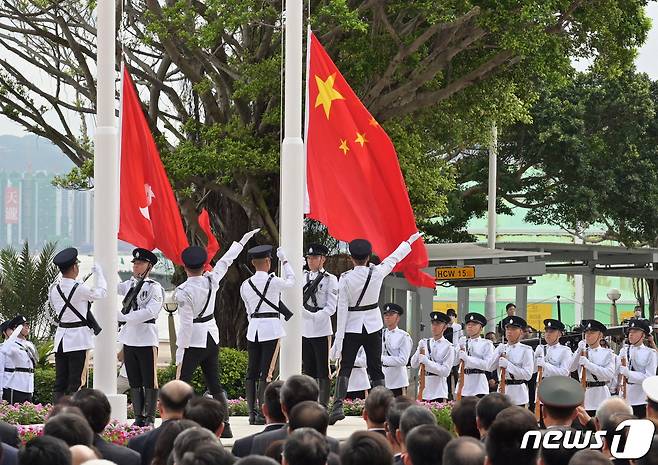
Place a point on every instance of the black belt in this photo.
(265, 315)
(19, 369)
(77, 324)
(595, 383)
(474, 371)
(427, 373)
(514, 382)
(363, 308)
(203, 319)
(151, 321)
(312, 309)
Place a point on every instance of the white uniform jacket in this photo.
(438, 360)
(359, 380)
(641, 365)
(396, 350)
(478, 351)
(520, 366)
(139, 327)
(600, 367)
(319, 308)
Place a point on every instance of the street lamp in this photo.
(170, 305)
(614, 295)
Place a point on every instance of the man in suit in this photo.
(376, 406)
(310, 414)
(172, 399)
(395, 410)
(295, 390)
(8, 434)
(96, 409)
(274, 419)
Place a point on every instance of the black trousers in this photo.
(356, 395)
(640, 411)
(398, 392)
(262, 359)
(13, 396)
(69, 371)
(140, 365)
(208, 360)
(315, 356)
(372, 344)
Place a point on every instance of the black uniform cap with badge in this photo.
(474, 317)
(439, 317)
(550, 323)
(515, 321)
(317, 250)
(194, 257)
(593, 325)
(66, 258)
(12, 324)
(639, 323)
(144, 255)
(360, 249)
(393, 308)
(260, 251)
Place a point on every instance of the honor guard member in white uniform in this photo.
(197, 337)
(598, 362)
(475, 351)
(438, 356)
(396, 350)
(517, 359)
(359, 317)
(359, 382)
(320, 300)
(640, 363)
(553, 357)
(139, 334)
(23, 355)
(454, 338)
(71, 300)
(261, 295)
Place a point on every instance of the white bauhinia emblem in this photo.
(149, 200)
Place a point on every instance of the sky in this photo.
(646, 62)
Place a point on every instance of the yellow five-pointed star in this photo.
(361, 138)
(326, 93)
(343, 146)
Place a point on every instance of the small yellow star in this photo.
(373, 122)
(326, 93)
(361, 138)
(343, 146)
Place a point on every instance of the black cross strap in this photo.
(357, 307)
(69, 306)
(200, 318)
(262, 295)
(29, 352)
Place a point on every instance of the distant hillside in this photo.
(31, 152)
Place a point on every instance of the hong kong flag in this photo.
(149, 215)
(354, 182)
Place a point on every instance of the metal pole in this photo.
(490, 303)
(293, 173)
(106, 207)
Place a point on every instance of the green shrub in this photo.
(44, 381)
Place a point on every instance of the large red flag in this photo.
(212, 247)
(149, 215)
(354, 182)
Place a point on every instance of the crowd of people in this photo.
(396, 431)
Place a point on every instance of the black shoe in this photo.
(137, 396)
(337, 412)
(150, 403)
(259, 420)
(227, 433)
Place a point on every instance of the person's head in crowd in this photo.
(651, 457)
(607, 409)
(95, 407)
(172, 399)
(64, 407)
(305, 446)
(491, 336)
(488, 408)
(206, 454)
(376, 405)
(275, 450)
(366, 447)
(71, 428)
(45, 450)
(309, 414)
(296, 389)
(650, 388)
(452, 313)
(637, 312)
(207, 412)
(81, 454)
(464, 450)
(412, 417)
(463, 417)
(610, 427)
(505, 435)
(558, 455)
(169, 431)
(425, 445)
(395, 410)
(256, 460)
(191, 439)
(561, 396)
(510, 309)
(272, 405)
(589, 457)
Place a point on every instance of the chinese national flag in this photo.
(149, 215)
(354, 182)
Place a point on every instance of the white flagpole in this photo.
(106, 205)
(292, 184)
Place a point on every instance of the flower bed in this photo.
(115, 432)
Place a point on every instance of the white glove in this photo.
(624, 371)
(248, 236)
(422, 358)
(540, 362)
(582, 345)
(503, 362)
(413, 237)
(336, 349)
(422, 345)
(539, 351)
(583, 361)
(180, 352)
(281, 254)
(96, 268)
(463, 355)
